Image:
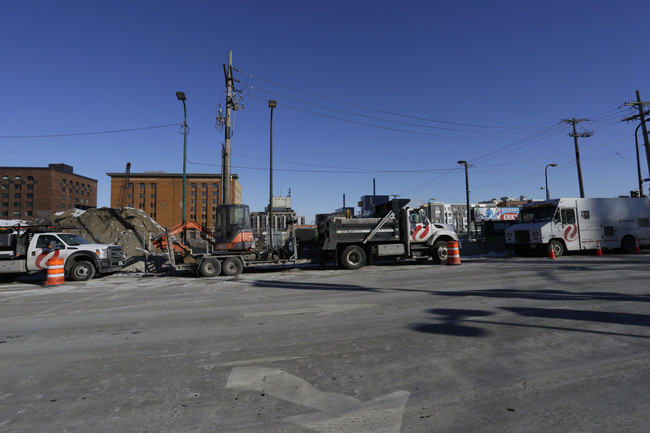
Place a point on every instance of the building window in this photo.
(16, 213)
(152, 196)
(63, 188)
(193, 193)
(30, 178)
(5, 177)
(29, 195)
(18, 178)
(5, 213)
(5, 195)
(16, 204)
(28, 213)
(5, 186)
(30, 186)
(152, 186)
(17, 186)
(16, 195)
(193, 186)
(29, 204)
(5, 204)
(204, 193)
(141, 186)
(62, 205)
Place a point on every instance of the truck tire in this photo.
(439, 252)
(209, 268)
(353, 257)
(82, 271)
(232, 267)
(628, 244)
(557, 247)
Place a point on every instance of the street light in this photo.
(272, 105)
(184, 130)
(548, 196)
(467, 193)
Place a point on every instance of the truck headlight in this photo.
(101, 253)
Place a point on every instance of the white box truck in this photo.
(576, 224)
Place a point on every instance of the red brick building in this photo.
(31, 192)
(160, 195)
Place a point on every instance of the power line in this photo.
(365, 107)
(90, 133)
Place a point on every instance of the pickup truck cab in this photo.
(25, 250)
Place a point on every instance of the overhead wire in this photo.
(73, 134)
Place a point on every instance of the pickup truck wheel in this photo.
(439, 252)
(209, 268)
(232, 266)
(353, 257)
(82, 271)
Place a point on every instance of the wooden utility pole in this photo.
(226, 183)
(640, 105)
(575, 136)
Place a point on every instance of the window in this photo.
(16, 195)
(63, 188)
(152, 186)
(204, 193)
(16, 213)
(63, 197)
(5, 204)
(17, 186)
(5, 186)
(18, 178)
(29, 213)
(141, 186)
(152, 196)
(193, 193)
(16, 204)
(30, 186)
(5, 213)
(5, 195)
(5, 177)
(29, 195)
(585, 214)
(568, 216)
(29, 204)
(30, 178)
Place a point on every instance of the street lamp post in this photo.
(638, 161)
(272, 105)
(548, 196)
(184, 130)
(467, 194)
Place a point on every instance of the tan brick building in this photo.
(160, 195)
(31, 192)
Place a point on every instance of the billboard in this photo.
(496, 214)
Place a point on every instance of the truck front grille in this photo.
(522, 236)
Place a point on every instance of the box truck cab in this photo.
(576, 224)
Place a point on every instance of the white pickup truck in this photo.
(26, 250)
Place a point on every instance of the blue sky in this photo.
(392, 91)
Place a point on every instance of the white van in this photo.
(573, 224)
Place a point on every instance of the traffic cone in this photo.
(55, 272)
(637, 248)
(551, 252)
(453, 253)
(599, 252)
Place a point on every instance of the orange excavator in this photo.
(232, 232)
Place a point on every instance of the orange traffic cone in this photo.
(55, 272)
(551, 252)
(599, 252)
(637, 248)
(453, 253)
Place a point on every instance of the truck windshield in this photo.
(535, 214)
(71, 239)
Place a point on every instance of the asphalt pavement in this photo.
(492, 345)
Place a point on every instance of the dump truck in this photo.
(27, 249)
(395, 231)
(579, 224)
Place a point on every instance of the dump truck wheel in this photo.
(439, 252)
(209, 268)
(353, 257)
(232, 266)
(82, 271)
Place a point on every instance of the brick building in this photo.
(160, 195)
(36, 192)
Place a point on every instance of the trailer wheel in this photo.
(209, 268)
(557, 247)
(439, 252)
(82, 271)
(353, 257)
(232, 266)
(628, 244)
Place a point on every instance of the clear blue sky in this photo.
(395, 91)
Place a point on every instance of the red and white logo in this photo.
(420, 232)
(43, 257)
(571, 233)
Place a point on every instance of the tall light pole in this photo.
(467, 193)
(184, 130)
(272, 105)
(638, 160)
(548, 196)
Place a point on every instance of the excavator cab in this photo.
(232, 230)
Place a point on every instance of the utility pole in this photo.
(575, 136)
(469, 216)
(226, 184)
(640, 104)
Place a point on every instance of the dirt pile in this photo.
(131, 228)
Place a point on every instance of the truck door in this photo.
(45, 248)
(420, 226)
(565, 226)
